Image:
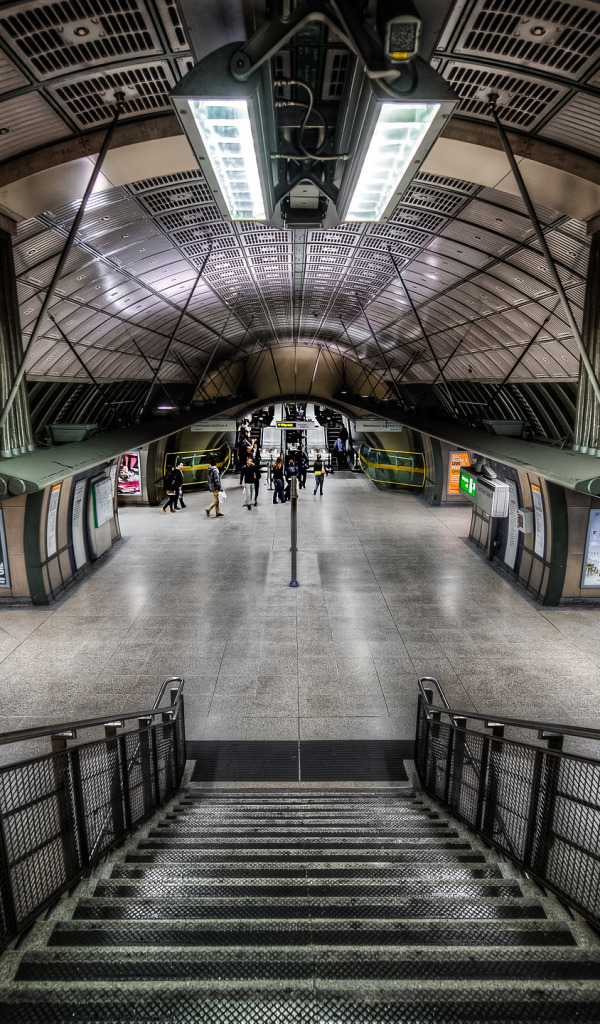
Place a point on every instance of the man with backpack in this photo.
(214, 486)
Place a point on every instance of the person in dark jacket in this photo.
(303, 464)
(278, 481)
(214, 486)
(255, 456)
(319, 471)
(171, 489)
(249, 479)
(179, 475)
(290, 470)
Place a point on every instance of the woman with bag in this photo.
(319, 471)
(214, 486)
(171, 489)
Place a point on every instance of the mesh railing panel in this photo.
(540, 807)
(61, 812)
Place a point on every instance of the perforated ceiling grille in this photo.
(544, 34)
(196, 194)
(90, 100)
(173, 24)
(522, 102)
(53, 38)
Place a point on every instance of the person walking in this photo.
(278, 481)
(171, 490)
(248, 478)
(214, 486)
(255, 456)
(303, 464)
(340, 453)
(179, 475)
(290, 470)
(319, 471)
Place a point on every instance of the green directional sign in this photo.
(467, 482)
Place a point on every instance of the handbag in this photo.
(222, 496)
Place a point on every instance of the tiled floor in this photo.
(389, 590)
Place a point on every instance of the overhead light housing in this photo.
(390, 137)
(231, 129)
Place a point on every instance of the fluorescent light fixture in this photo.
(399, 131)
(226, 132)
(389, 138)
(230, 126)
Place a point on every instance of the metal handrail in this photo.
(20, 735)
(517, 723)
(537, 805)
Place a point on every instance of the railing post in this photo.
(79, 804)
(481, 791)
(460, 724)
(115, 785)
(122, 742)
(548, 791)
(9, 921)
(146, 764)
(491, 797)
(64, 804)
(155, 765)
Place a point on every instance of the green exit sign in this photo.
(467, 483)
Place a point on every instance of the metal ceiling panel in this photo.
(89, 99)
(497, 219)
(505, 200)
(471, 258)
(578, 122)
(173, 25)
(522, 102)
(556, 37)
(52, 37)
(28, 122)
(10, 75)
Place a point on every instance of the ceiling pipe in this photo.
(537, 227)
(120, 98)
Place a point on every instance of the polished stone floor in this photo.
(389, 590)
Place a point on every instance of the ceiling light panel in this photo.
(52, 38)
(522, 103)
(553, 37)
(88, 99)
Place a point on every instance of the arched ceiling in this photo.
(465, 250)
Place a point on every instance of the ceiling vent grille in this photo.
(198, 194)
(522, 102)
(89, 100)
(173, 25)
(190, 218)
(550, 36)
(432, 199)
(466, 188)
(334, 74)
(168, 179)
(54, 38)
(200, 234)
(418, 219)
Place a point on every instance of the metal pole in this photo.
(294, 528)
(531, 341)
(62, 260)
(537, 227)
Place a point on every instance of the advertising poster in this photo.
(4, 570)
(77, 524)
(51, 521)
(538, 514)
(130, 474)
(456, 461)
(512, 535)
(102, 498)
(591, 562)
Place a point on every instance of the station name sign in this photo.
(296, 425)
(491, 496)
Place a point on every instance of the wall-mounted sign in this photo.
(491, 496)
(375, 423)
(297, 425)
(538, 513)
(213, 425)
(590, 576)
(512, 536)
(130, 474)
(456, 461)
(102, 500)
(51, 520)
(77, 524)
(4, 568)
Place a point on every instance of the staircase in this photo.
(303, 905)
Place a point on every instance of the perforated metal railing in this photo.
(538, 804)
(62, 811)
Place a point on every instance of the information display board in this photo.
(540, 526)
(456, 461)
(214, 425)
(590, 576)
(77, 523)
(4, 567)
(102, 500)
(51, 521)
(130, 474)
(296, 425)
(512, 537)
(375, 423)
(491, 496)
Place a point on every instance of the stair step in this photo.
(191, 1003)
(146, 933)
(356, 966)
(373, 874)
(277, 889)
(173, 908)
(424, 853)
(243, 832)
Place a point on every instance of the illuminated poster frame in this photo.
(4, 566)
(77, 513)
(590, 575)
(52, 515)
(538, 514)
(102, 501)
(456, 461)
(130, 474)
